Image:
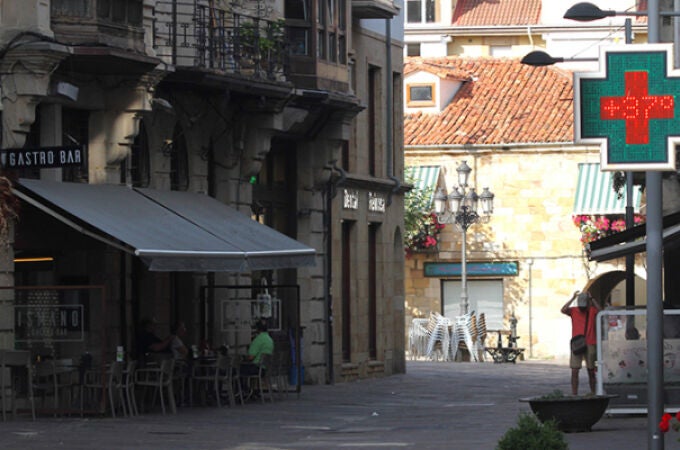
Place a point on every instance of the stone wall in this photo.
(534, 196)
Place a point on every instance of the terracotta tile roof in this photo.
(476, 13)
(502, 102)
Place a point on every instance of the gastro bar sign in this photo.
(630, 107)
(42, 158)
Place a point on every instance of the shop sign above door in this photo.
(630, 107)
(42, 157)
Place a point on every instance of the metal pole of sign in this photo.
(630, 218)
(654, 280)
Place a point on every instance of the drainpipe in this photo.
(331, 192)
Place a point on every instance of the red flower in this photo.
(619, 225)
(664, 426)
(677, 416)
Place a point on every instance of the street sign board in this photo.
(42, 157)
(630, 107)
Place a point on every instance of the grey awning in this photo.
(169, 230)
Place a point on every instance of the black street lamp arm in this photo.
(466, 217)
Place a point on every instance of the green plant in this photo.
(530, 434)
(421, 227)
(554, 395)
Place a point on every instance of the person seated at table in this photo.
(177, 346)
(261, 344)
(148, 343)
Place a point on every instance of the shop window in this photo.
(346, 281)
(373, 290)
(418, 95)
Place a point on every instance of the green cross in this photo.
(633, 108)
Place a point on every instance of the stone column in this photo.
(113, 130)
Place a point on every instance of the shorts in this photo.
(576, 361)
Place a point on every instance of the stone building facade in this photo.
(283, 111)
(513, 127)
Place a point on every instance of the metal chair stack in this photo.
(418, 336)
(439, 336)
(464, 335)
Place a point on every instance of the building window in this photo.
(139, 170)
(420, 11)
(413, 49)
(373, 117)
(298, 25)
(420, 95)
(75, 126)
(179, 161)
(332, 27)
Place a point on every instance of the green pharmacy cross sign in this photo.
(630, 107)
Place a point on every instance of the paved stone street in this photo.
(436, 405)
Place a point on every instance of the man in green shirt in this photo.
(261, 344)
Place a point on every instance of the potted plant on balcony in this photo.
(260, 44)
(421, 227)
(572, 413)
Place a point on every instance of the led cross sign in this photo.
(630, 107)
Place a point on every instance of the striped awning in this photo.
(423, 177)
(595, 194)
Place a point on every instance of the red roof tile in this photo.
(476, 13)
(502, 102)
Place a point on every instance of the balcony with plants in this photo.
(199, 35)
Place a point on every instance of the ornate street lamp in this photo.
(461, 207)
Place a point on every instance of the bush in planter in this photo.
(530, 434)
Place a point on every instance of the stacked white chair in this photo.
(418, 337)
(464, 332)
(438, 327)
(480, 343)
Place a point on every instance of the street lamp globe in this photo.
(455, 200)
(471, 201)
(463, 174)
(440, 202)
(486, 199)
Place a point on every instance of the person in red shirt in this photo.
(586, 306)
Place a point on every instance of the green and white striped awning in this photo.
(423, 177)
(595, 194)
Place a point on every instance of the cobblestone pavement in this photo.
(435, 405)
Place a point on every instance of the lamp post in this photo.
(461, 207)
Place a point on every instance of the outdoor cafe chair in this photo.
(262, 379)
(105, 383)
(15, 372)
(55, 378)
(129, 387)
(216, 378)
(160, 380)
(279, 371)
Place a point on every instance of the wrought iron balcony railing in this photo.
(188, 34)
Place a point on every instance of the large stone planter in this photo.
(572, 413)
